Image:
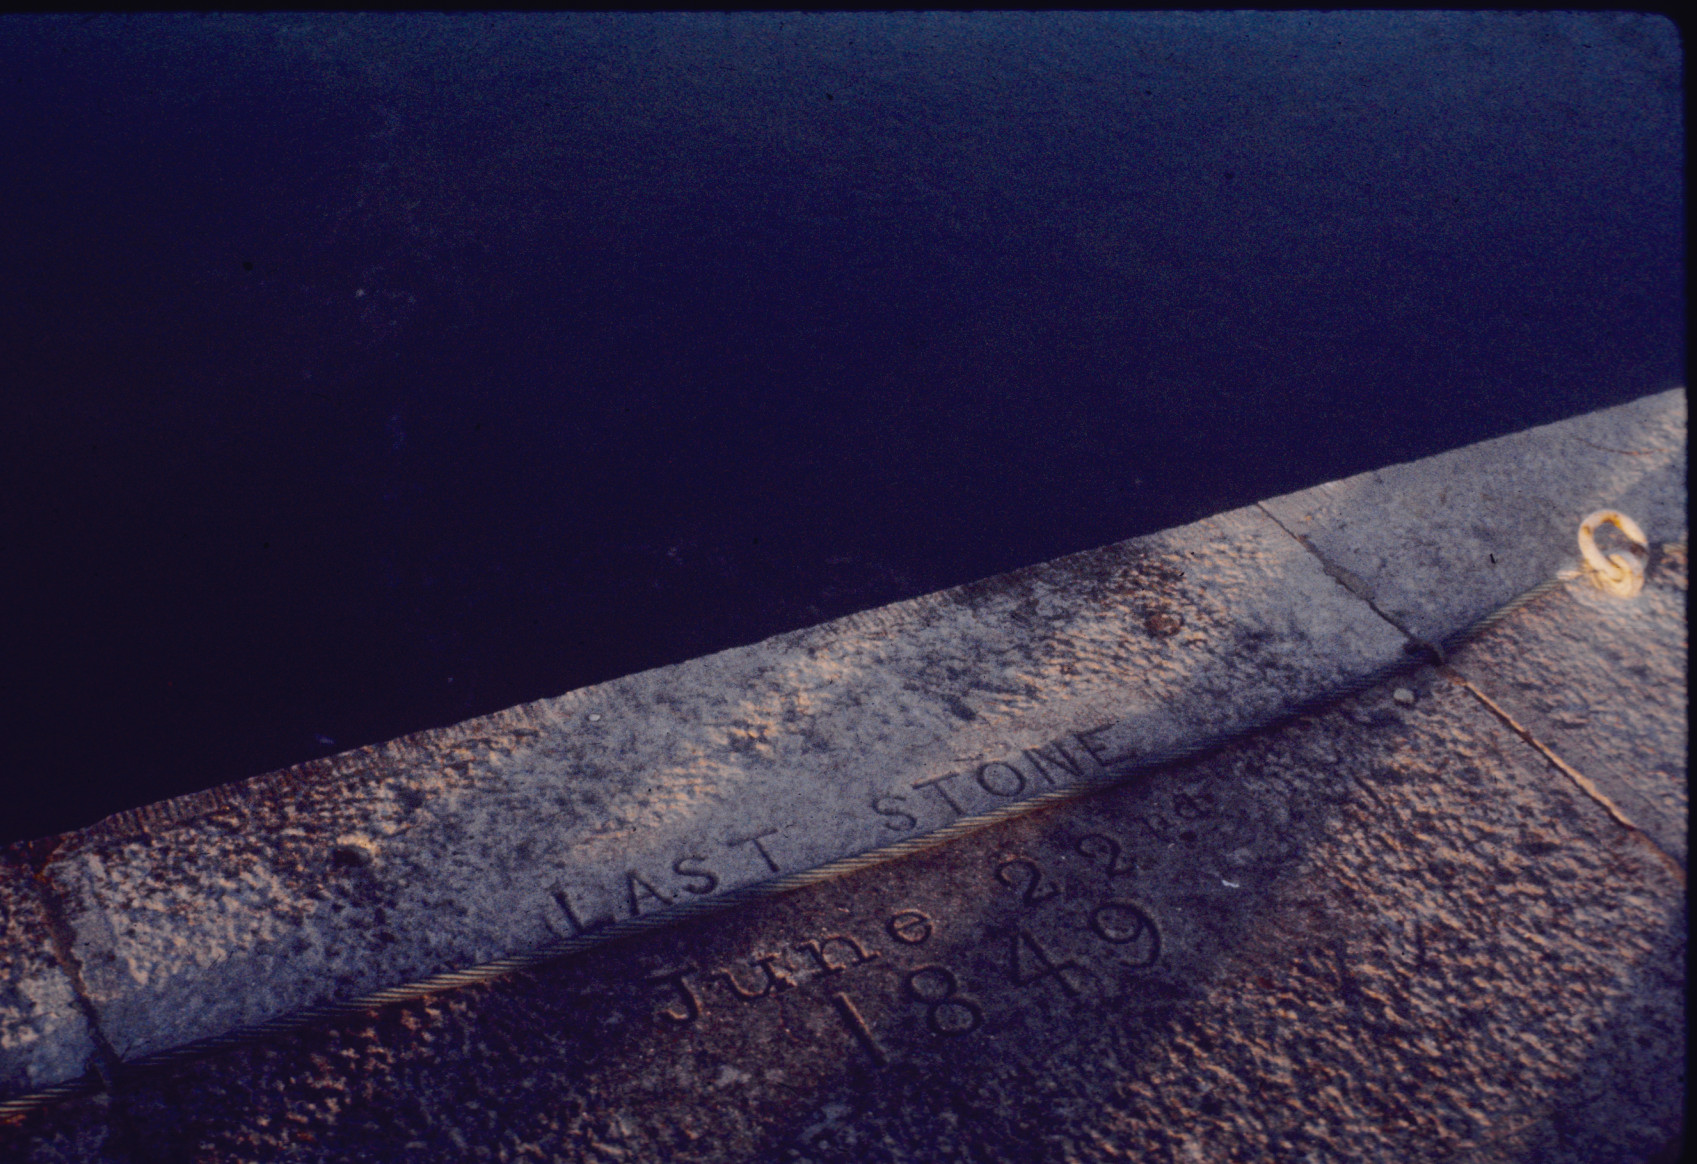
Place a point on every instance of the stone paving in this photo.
(1388, 930)
(1440, 917)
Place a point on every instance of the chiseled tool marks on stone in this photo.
(455, 847)
(1385, 935)
(1602, 682)
(44, 1038)
(1441, 542)
(1494, 972)
(292, 893)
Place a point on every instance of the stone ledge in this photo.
(638, 797)
(1439, 543)
(44, 1038)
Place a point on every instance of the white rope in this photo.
(1618, 574)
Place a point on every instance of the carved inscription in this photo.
(643, 892)
(1076, 934)
(1024, 877)
(1123, 923)
(770, 979)
(1067, 760)
(697, 879)
(688, 993)
(1103, 848)
(579, 926)
(910, 927)
(679, 981)
(947, 1011)
(1118, 922)
(639, 889)
(1066, 920)
(579, 911)
(757, 840)
(856, 1024)
(896, 817)
(1029, 963)
(765, 973)
(856, 955)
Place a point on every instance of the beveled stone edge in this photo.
(890, 618)
(1112, 775)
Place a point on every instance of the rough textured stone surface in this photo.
(639, 796)
(1384, 932)
(637, 799)
(1603, 681)
(44, 1038)
(1440, 543)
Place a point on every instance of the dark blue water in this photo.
(362, 375)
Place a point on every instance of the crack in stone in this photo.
(62, 938)
(1580, 780)
(1357, 586)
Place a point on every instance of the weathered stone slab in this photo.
(639, 798)
(1602, 681)
(44, 1038)
(1439, 543)
(1384, 932)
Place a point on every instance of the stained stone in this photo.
(1338, 903)
(1439, 543)
(1380, 932)
(44, 1038)
(1603, 682)
(497, 836)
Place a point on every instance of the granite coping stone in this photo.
(1603, 683)
(44, 1035)
(632, 798)
(637, 800)
(1387, 930)
(1439, 543)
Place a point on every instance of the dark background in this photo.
(364, 374)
